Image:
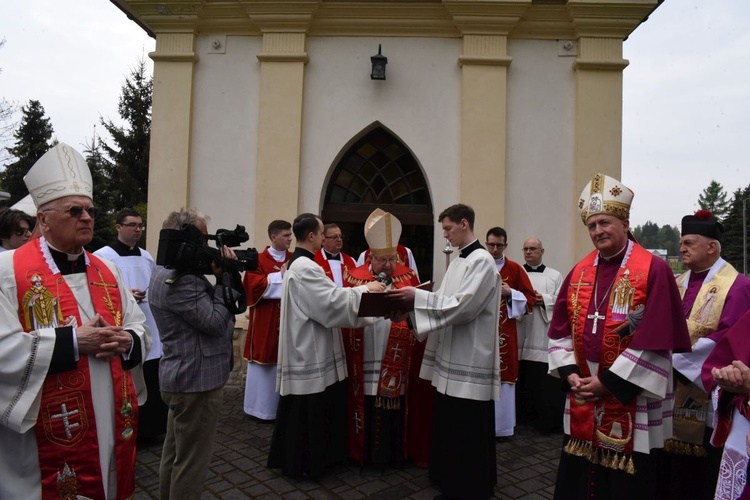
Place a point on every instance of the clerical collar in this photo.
(330, 256)
(531, 269)
(125, 251)
(615, 256)
(68, 263)
(278, 255)
(300, 252)
(465, 251)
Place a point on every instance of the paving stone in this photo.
(526, 466)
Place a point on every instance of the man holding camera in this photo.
(196, 331)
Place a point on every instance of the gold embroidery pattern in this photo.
(117, 315)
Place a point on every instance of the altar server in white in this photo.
(462, 359)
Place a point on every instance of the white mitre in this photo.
(382, 232)
(605, 195)
(61, 171)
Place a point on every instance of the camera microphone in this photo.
(384, 278)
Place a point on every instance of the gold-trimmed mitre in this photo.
(382, 232)
(605, 195)
(60, 172)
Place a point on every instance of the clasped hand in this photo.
(586, 388)
(99, 338)
(733, 378)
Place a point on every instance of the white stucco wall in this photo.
(541, 93)
(224, 132)
(419, 102)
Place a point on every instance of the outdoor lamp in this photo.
(378, 66)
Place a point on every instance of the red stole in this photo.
(602, 431)
(516, 278)
(395, 364)
(262, 340)
(347, 264)
(66, 430)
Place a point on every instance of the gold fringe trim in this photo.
(606, 458)
(676, 447)
(387, 403)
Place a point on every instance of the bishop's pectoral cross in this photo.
(596, 317)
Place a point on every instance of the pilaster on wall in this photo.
(171, 113)
(601, 28)
(484, 87)
(282, 67)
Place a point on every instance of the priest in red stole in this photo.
(334, 262)
(70, 334)
(263, 289)
(617, 321)
(516, 299)
(389, 407)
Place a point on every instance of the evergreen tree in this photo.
(732, 241)
(714, 199)
(104, 224)
(33, 139)
(128, 157)
(669, 239)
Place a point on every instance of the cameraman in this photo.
(196, 332)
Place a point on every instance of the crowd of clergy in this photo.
(645, 374)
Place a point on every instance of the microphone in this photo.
(384, 278)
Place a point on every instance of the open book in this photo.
(380, 304)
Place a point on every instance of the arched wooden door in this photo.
(379, 171)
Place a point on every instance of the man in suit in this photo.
(196, 332)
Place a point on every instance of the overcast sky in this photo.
(686, 93)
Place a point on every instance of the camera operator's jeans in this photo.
(191, 428)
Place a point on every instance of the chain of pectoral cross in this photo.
(596, 316)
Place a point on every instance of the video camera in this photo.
(185, 250)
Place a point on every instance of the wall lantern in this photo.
(378, 65)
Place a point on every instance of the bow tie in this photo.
(530, 269)
(332, 257)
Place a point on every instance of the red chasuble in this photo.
(602, 430)
(517, 279)
(396, 371)
(262, 341)
(66, 430)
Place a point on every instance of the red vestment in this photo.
(418, 393)
(66, 432)
(347, 264)
(516, 278)
(262, 342)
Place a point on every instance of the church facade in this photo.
(263, 109)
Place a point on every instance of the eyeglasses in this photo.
(385, 260)
(496, 245)
(20, 231)
(530, 249)
(133, 225)
(334, 237)
(76, 211)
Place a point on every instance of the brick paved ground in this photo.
(526, 466)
